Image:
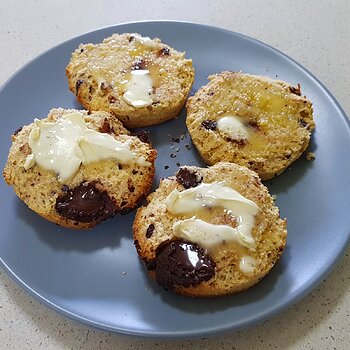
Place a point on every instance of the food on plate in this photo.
(138, 79)
(77, 169)
(209, 231)
(254, 121)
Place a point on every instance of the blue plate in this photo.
(95, 277)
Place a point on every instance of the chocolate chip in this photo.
(131, 38)
(149, 231)
(175, 139)
(139, 64)
(81, 50)
(172, 155)
(165, 51)
(178, 164)
(106, 128)
(166, 167)
(120, 167)
(254, 125)
(188, 146)
(17, 131)
(77, 85)
(134, 171)
(295, 90)
(239, 143)
(188, 178)
(85, 203)
(302, 122)
(131, 187)
(111, 99)
(143, 135)
(209, 124)
(137, 245)
(179, 263)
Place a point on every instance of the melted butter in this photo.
(233, 127)
(139, 89)
(210, 235)
(63, 145)
(197, 204)
(247, 265)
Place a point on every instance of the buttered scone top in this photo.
(254, 121)
(140, 80)
(77, 169)
(209, 231)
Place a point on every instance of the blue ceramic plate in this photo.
(95, 276)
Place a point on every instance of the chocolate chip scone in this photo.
(254, 121)
(209, 231)
(140, 80)
(77, 169)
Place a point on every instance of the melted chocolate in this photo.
(150, 231)
(209, 124)
(77, 85)
(188, 178)
(85, 203)
(179, 263)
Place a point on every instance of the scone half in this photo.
(77, 169)
(254, 121)
(209, 231)
(140, 80)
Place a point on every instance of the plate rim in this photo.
(273, 311)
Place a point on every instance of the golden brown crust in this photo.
(125, 184)
(277, 115)
(269, 231)
(97, 81)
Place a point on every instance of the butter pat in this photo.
(209, 235)
(247, 265)
(146, 41)
(195, 202)
(139, 89)
(233, 128)
(63, 145)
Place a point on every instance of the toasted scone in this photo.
(209, 231)
(140, 80)
(254, 121)
(77, 169)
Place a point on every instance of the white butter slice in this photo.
(139, 89)
(146, 41)
(247, 265)
(233, 128)
(209, 235)
(193, 201)
(63, 145)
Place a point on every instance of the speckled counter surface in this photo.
(315, 33)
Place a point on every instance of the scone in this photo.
(254, 121)
(140, 80)
(209, 231)
(77, 169)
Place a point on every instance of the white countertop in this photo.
(315, 33)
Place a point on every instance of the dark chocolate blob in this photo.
(179, 263)
(77, 85)
(188, 178)
(17, 131)
(150, 231)
(209, 124)
(295, 90)
(85, 203)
